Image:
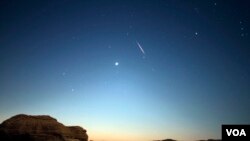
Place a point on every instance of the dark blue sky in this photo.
(80, 61)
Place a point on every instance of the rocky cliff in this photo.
(39, 128)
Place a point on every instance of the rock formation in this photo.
(165, 140)
(168, 140)
(39, 128)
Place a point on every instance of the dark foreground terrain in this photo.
(44, 128)
(39, 128)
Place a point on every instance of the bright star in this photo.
(116, 63)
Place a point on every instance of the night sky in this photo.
(128, 70)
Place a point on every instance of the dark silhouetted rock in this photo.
(39, 128)
(165, 140)
(168, 140)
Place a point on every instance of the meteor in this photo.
(140, 47)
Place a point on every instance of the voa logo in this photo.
(236, 132)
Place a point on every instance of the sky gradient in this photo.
(128, 70)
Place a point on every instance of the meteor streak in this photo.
(140, 47)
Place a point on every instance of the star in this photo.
(64, 73)
(116, 63)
